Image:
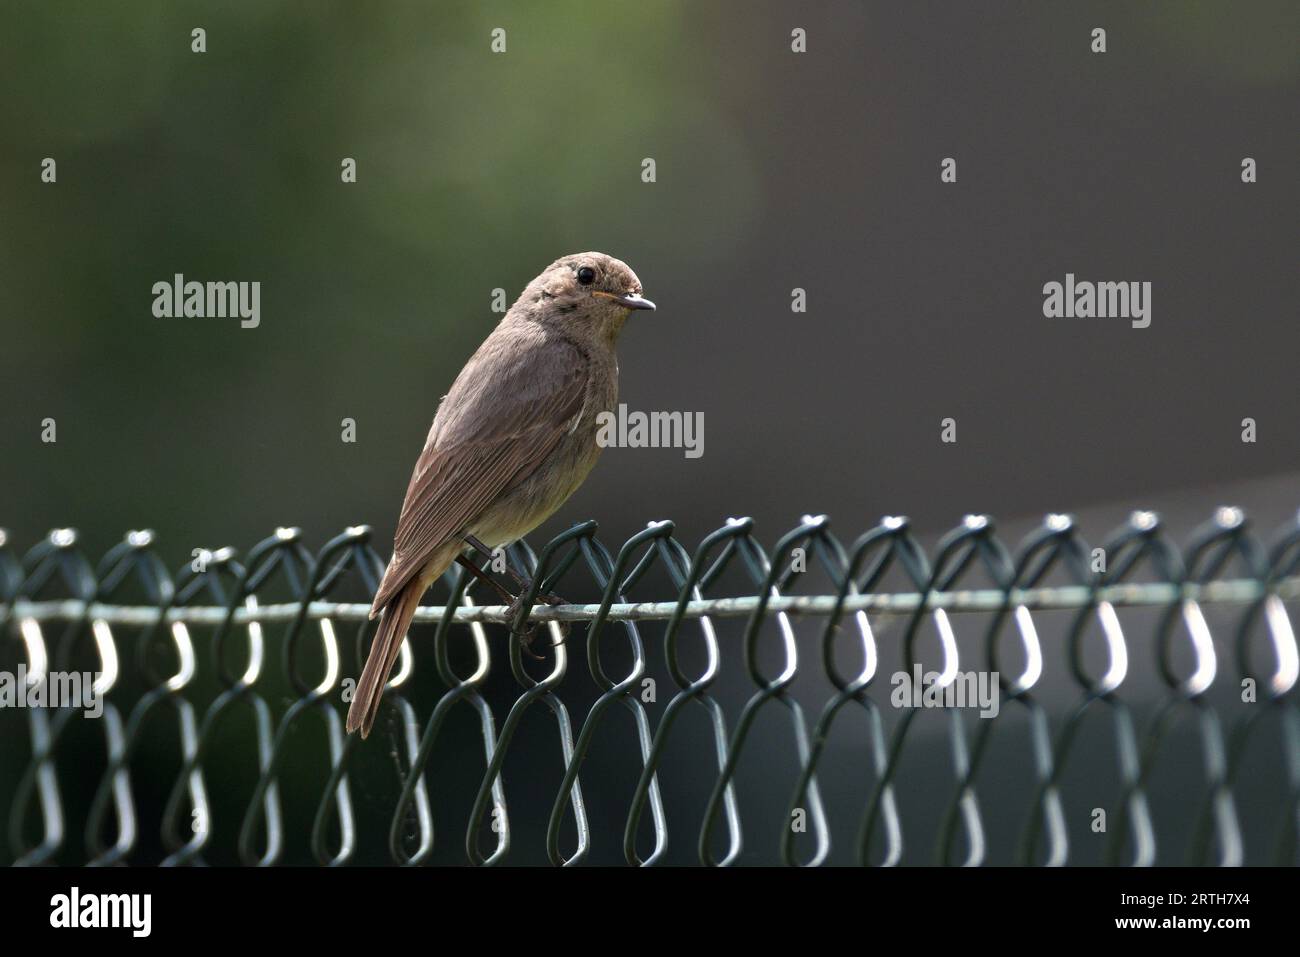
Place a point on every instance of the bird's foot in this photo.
(527, 631)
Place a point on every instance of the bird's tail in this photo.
(383, 653)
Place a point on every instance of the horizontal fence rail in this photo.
(983, 600)
(84, 787)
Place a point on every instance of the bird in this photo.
(514, 437)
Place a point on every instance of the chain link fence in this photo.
(1144, 711)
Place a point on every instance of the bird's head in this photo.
(587, 292)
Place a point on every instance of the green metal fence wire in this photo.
(220, 592)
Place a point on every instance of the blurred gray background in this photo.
(774, 171)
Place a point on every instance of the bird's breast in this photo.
(538, 495)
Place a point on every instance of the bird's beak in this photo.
(630, 300)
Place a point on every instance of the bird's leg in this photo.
(478, 546)
(521, 583)
(514, 603)
(481, 575)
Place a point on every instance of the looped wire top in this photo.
(282, 595)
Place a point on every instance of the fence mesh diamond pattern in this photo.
(1145, 711)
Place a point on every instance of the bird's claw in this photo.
(526, 631)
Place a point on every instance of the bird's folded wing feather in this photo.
(502, 418)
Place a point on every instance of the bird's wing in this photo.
(503, 416)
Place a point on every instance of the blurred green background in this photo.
(775, 170)
(475, 171)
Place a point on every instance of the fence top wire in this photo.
(1100, 588)
(899, 604)
(1222, 562)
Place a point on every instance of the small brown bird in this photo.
(511, 441)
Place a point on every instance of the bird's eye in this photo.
(586, 275)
